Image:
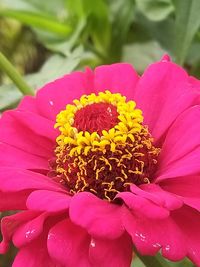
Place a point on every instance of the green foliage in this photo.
(137, 262)
(107, 28)
(37, 21)
(155, 10)
(142, 54)
(186, 26)
(54, 67)
(46, 39)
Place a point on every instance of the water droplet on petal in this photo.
(29, 233)
(157, 245)
(92, 243)
(167, 248)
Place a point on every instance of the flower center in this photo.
(103, 147)
(96, 118)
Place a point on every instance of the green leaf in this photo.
(193, 59)
(98, 18)
(142, 54)
(96, 15)
(122, 16)
(155, 10)
(53, 12)
(187, 24)
(9, 96)
(150, 261)
(15, 5)
(55, 67)
(184, 263)
(76, 8)
(137, 262)
(37, 20)
(143, 27)
(65, 47)
(53, 8)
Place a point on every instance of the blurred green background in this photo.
(46, 39)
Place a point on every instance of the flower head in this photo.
(103, 147)
(99, 162)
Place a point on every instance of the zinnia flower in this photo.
(100, 162)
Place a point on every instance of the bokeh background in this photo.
(46, 39)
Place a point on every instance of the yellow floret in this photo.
(130, 123)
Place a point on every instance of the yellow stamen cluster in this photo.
(130, 123)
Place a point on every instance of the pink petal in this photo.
(158, 196)
(166, 58)
(13, 200)
(44, 200)
(28, 103)
(39, 125)
(117, 78)
(189, 222)
(68, 244)
(186, 188)
(143, 206)
(193, 202)
(34, 255)
(151, 235)
(91, 213)
(188, 165)
(10, 223)
(14, 132)
(162, 93)
(29, 231)
(111, 253)
(17, 158)
(181, 150)
(54, 96)
(195, 83)
(13, 180)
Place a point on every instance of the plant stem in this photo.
(13, 74)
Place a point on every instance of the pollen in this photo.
(103, 146)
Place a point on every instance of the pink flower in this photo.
(85, 199)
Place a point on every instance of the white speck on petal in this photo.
(29, 233)
(141, 236)
(157, 245)
(50, 235)
(92, 243)
(167, 247)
